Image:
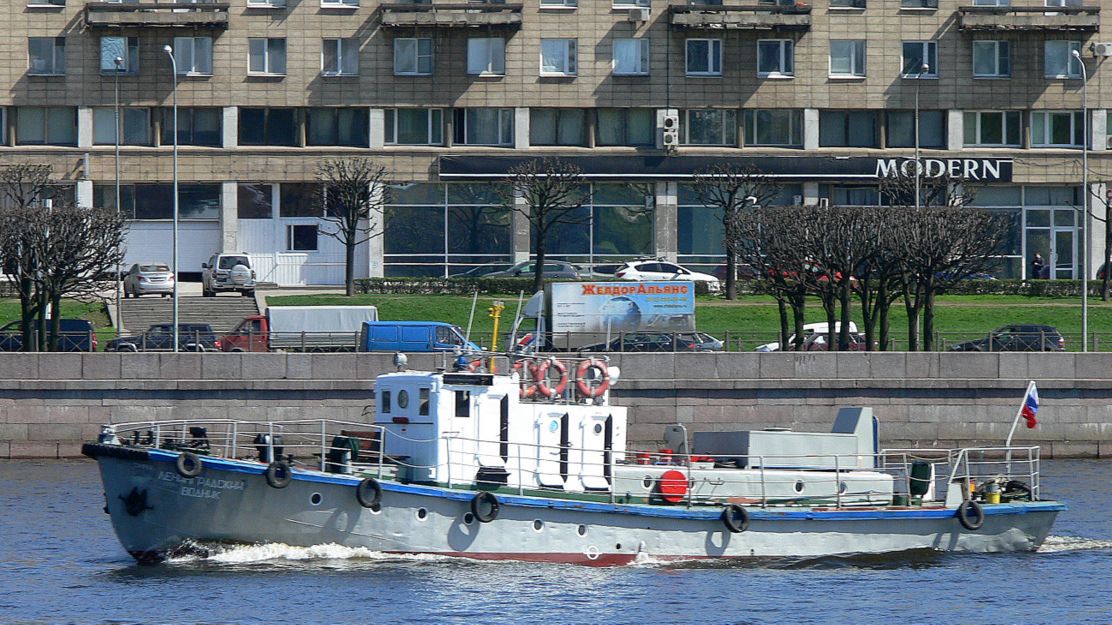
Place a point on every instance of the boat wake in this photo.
(1057, 544)
(282, 553)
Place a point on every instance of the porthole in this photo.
(582, 530)
(468, 518)
(315, 499)
(538, 525)
(842, 488)
(648, 481)
(403, 399)
(598, 428)
(422, 514)
(799, 486)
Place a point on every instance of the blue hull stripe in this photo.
(701, 513)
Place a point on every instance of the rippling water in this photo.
(60, 563)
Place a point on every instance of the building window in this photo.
(709, 127)
(266, 4)
(992, 128)
(775, 57)
(1060, 62)
(629, 127)
(901, 129)
(631, 57)
(559, 4)
(991, 59)
(847, 4)
(992, 3)
(847, 58)
(486, 56)
(256, 201)
(774, 127)
(156, 201)
(413, 57)
(847, 129)
(266, 56)
(135, 127)
(47, 3)
(300, 199)
(916, 54)
(126, 49)
(46, 125)
(339, 57)
(918, 4)
(627, 4)
(484, 126)
(339, 4)
(267, 127)
(301, 237)
(414, 126)
(1057, 129)
(46, 56)
(199, 126)
(559, 57)
(193, 55)
(337, 126)
(704, 57)
(549, 126)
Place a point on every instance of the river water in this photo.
(60, 563)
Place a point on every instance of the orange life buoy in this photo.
(475, 365)
(581, 377)
(672, 486)
(522, 367)
(540, 376)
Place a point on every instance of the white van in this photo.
(808, 330)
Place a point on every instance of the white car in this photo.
(227, 272)
(664, 270)
(809, 330)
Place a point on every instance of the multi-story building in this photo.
(824, 96)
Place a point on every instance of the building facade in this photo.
(823, 96)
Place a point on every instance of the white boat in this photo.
(494, 466)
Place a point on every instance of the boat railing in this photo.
(968, 468)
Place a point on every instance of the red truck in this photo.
(300, 328)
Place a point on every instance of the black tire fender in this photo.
(485, 506)
(189, 464)
(369, 493)
(735, 518)
(971, 515)
(278, 474)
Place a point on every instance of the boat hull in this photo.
(157, 512)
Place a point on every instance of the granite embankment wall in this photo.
(50, 403)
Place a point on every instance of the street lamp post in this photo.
(174, 64)
(119, 281)
(1084, 264)
(922, 70)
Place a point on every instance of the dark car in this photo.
(1018, 337)
(75, 335)
(192, 337)
(745, 271)
(482, 270)
(552, 269)
(660, 342)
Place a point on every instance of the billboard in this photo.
(608, 308)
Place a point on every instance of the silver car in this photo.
(148, 278)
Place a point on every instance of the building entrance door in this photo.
(1063, 253)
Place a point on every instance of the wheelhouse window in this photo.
(46, 125)
(775, 58)
(46, 56)
(552, 126)
(486, 56)
(423, 401)
(414, 126)
(559, 57)
(124, 49)
(413, 57)
(484, 126)
(337, 126)
(991, 59)
(135, 126)
(463, 404)
(266, 56)
(848, 129)
(847, 58)
(268, 126)
(626, 126)
(198, 126)
(709, 127)
(193, 55)
(339, 57)
(1060, 62)
(992, 128)
(631, 57)
(916, 55)
(774, 127)
(704, 57)
(1057, 129)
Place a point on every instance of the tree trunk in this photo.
(349, 265)
(1104, 281)
(538, 274)
(831, 323)
(782, 307)
(846, 306)
(731, 275)
(928, 321)
(911, 305)
(797, 309)
(55, 340)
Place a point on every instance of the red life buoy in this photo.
(522, 367)
(581, 381)
(540, 376)
(475, 365)
(672, 486)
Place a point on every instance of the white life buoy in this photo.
(526, 371)
(582, 383)
(540, 376)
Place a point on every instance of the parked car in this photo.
(660, 342)
(482, 270)
(192, 337)
(552, 269)
(146, 278)
(75, 335)
(745, 271)
(818, 342)
(653, 269)
(1017, 337)
(227, 272)
(600, 272)
(809, 330)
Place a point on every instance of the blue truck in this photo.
(413, 336)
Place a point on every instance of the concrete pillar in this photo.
(521, 127)
(84, 127)
(810, 193)
(666, 220)
(377, 128)
(810, 129)
(84, 193)
(231, 127)
(229, 216)
(375, 245)
(955, 129)
(1098, 128)
(521, 230)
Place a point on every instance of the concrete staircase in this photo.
(222, 312)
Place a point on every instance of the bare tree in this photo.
(354, 190)
(552, 192)
(732, 189)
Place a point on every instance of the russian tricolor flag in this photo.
(1030, 405)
